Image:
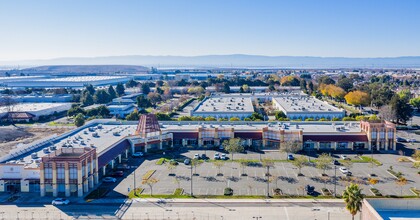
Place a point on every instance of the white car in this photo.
(137, 154)
(216, 156)
(344, 170)
(344, 157)
(109, 179)
(223, 157)
(60, 201)
(196, 156)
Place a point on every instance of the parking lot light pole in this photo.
(191, 180)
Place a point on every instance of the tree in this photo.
(103, 111)
(299, 162)
(133, 116)
(9, 103)
(243, 164)
(145, 88)
(196, 163)
(353, 198)
(234, 119)
(86, 99)
(171, 168)
(268, 163)
(90, 89)
(120, 89)
(386, 112)
(402, 181)
(163, 117)
(154, 98)
(357, 98)
(256, 117)
(233, 146)
(325, 80)
(150, 182)
(323, 162)
(184, 118)
(415, 102)
(345, 83)
(111, 92)
(210, 118)
(143, 102)
(79, 120)
(75, 111)
(402, 109)
(290, 147)
(226, 88)
(131, 83)
(279, 115)
(101, 97)
(219, 164)
(416, 155)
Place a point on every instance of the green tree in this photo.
(111, 92)
(103, 111)
(233, 146)
(79, 120)
(163, 117)
(131, 83)
(90, 89)
(256, 117)
(279, 115)
(101, 97)
(145, 88)
(353, 198)
(401, 108)
(210, 118)
(219, 164)
(86, 99)
(290, 147)
(143, 102)
(234, 119)
(120, 89)
(299, 162)
(133, 116)
(415, 102)
(345, 83)
(324, 162)
(75, 111)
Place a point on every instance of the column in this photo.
(41, 181)
(351, 145)
(317, 145)
(2, 186)
(96, 173)
(145, 147)
(24, 185)
(369, 144)
(104, 170)
(67, 178)
(112, 163)
(86, 182)
(160, 139)
(54, 179)
(334, 145)
(126, 154)
(119, 158)
(79, 180)
(92, 171)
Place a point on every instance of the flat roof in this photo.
(33, 107)
(82, 78)
(226, 105)
(293, 104)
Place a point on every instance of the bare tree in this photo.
(9, 103)
(387, 113)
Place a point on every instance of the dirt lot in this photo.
(11, 136)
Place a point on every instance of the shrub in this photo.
(228, 191)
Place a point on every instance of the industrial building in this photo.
(384, 209)
(224, 107)
(304, 107)
(31, 111)
(63, 82)
(73, 163)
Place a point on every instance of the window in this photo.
(60, 173)
(48, 173)
(73, 172)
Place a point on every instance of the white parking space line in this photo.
(287, 213)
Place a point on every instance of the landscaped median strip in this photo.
(148, 174)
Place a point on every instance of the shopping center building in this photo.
(73, 163)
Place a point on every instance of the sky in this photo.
(45, 29)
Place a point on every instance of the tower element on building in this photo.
(148, 126)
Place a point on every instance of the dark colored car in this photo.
(290, 157)
(335, 162)
(310, 190)
(203, 156)
(187, 161)
(118, 173)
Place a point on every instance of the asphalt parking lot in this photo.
(284, 176)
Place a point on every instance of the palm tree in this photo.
(353, 197)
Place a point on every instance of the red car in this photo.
(118, 173)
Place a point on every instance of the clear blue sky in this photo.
(84, 28)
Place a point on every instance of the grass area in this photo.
(375, 192)
(161, 161)
(136, 193)
(415, 191)
(178, 191)
(148, 174)
(396, 174)
(403, 159)
(97, 193)
(53, 123)
(326, 192)
(369, 160)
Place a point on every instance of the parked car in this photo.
(137, 154)
(118, 173)
(223, 157)
(290, 157)
(335, 162)
(196, 156)
(60, 201)
(203, 156)
(123, 167)
(187, 161)
(344, 157)
(310, 190)
(412, 140)
(109, 179)
(216, 156)
(344, 170)
(221, 148)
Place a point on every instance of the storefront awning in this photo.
(336, 138)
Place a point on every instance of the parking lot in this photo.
(284, 176)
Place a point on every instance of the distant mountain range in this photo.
(227, 61)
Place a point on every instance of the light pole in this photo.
(335, 180)
(268, 181)
(191, 180)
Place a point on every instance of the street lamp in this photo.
(191, 174)
(335, 180)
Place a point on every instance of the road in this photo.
(183, 209)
